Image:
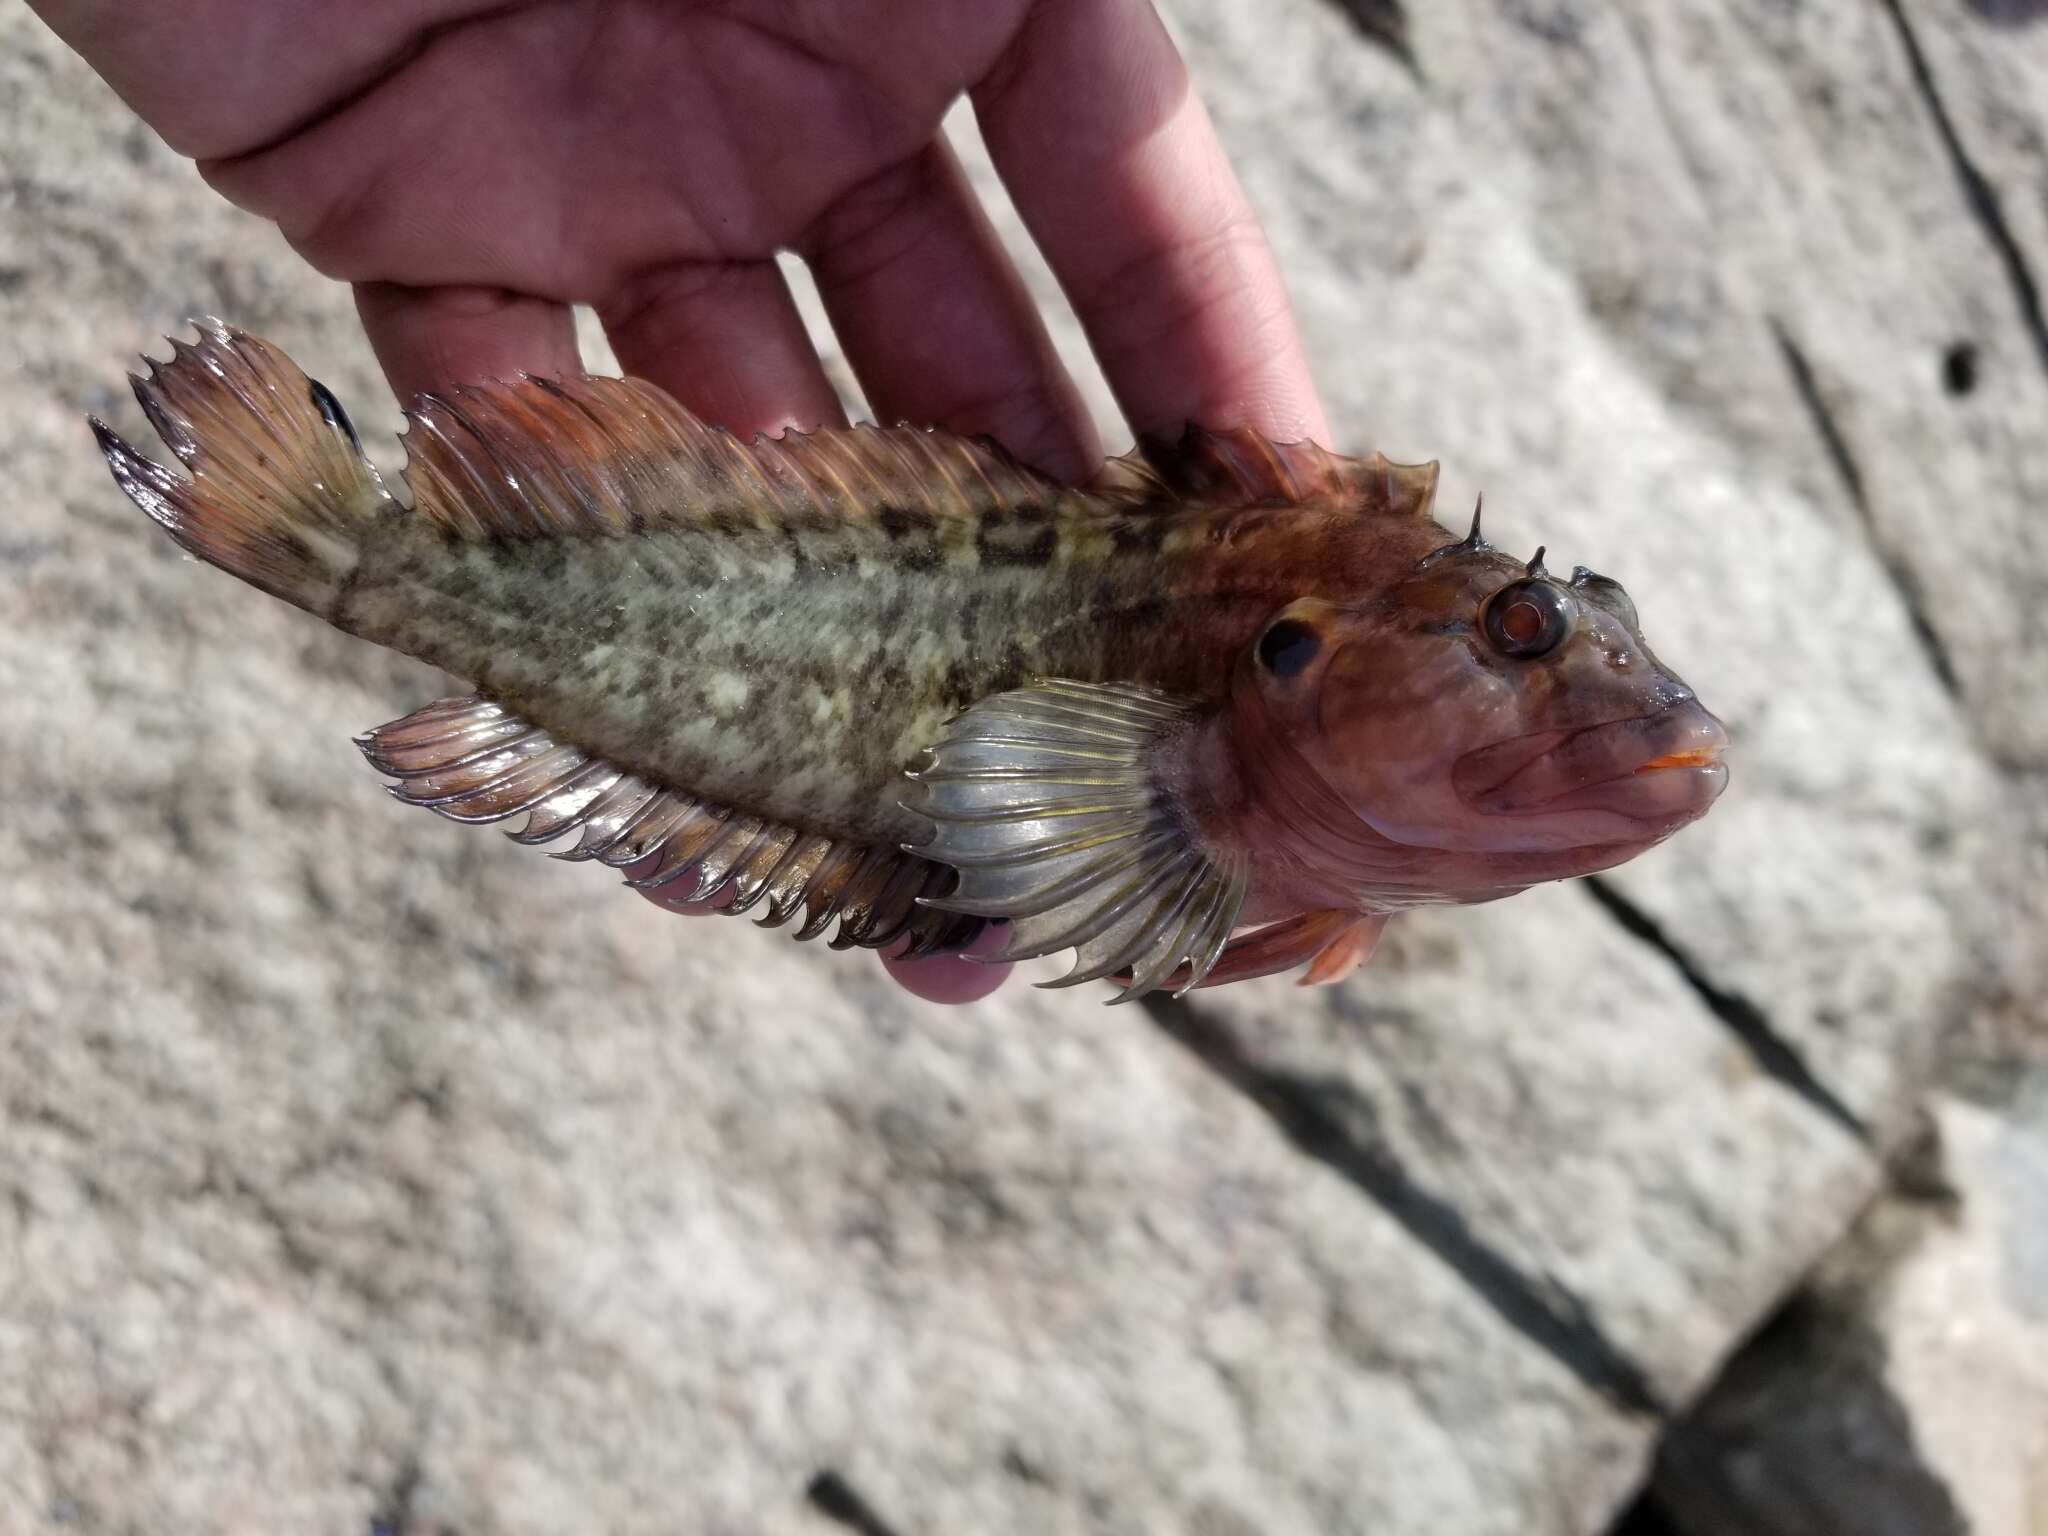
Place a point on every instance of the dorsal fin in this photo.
(474, 761)
(538, 457)
(1239, 467)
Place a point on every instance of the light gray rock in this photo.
(1548, 1107)
(360, 1167)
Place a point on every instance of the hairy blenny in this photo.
(1213, 715)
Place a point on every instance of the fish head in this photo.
(1480, 706)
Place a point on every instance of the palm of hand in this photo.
(725, 130)
(613, 154)
(474, 169)
(569, 149)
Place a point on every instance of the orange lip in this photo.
(1699, 757)
(1662, 763)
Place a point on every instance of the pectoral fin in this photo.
(1050, 801)
(1344, 954)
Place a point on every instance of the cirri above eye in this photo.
(1606, 592)
(1526, 619)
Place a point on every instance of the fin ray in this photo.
(1097, 862)
(1275, 947)
(1237, 466)
(474, 761)
(278, 493)
(536, 457)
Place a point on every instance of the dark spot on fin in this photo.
(274, 496)
(331, 412)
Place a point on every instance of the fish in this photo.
(1218, 713)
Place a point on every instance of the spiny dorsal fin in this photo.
(1238, 467)
(536, 457)
(1048, 800)
(474, 761)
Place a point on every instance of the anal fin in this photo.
(474, 761)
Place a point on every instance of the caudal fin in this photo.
(280, 493)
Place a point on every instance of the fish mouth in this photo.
(1660, 768)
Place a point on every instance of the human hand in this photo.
(473, 168)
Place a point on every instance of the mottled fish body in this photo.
(1139, 714)
(799, 666)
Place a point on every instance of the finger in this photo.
(430, 338)
(1126, 189)
(951, 978)
(724, 338)
(935, 978)
(937, 323)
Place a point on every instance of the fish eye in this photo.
(1526, 619)
(1287, 647)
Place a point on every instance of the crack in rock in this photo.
(1383, 23)
(394, 1515)
(1978, 193)
(833, 1497)
(1902, 577)
(1330, 1121)
(1778, 1057)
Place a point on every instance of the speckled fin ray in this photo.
(278, 491)
(474, 761)
(537, 457)
(1048, 801)
(1238, 467)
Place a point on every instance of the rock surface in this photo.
(1905, 1388)
(365, 1170)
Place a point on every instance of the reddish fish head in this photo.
(1482, 706)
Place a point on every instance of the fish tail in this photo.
(279, 492)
